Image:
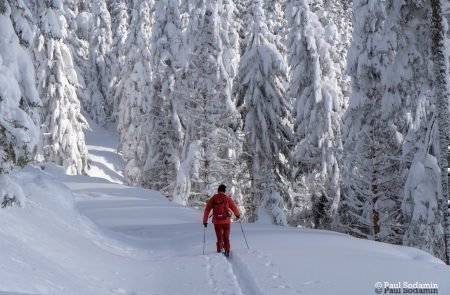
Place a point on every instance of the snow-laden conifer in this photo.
(23, 21)
(442, 98)
(19, 99)
(410, 82)
(78, 16)
(266, 111)
(63, 123)
(210, 146)
(100, 63)
(373, 180)
(120, 28)
(164, 129)
(319, 103)
(134, 91)
(276, 22)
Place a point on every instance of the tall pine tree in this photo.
(19, 99)
(265, 110)
(164, 130)
(441, 69)
(372, 170)
(319, 105)
(120, 28)
(210, 146)
(100, 108)
(134, 90)
(63, 123)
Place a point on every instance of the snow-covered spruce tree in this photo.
(19, 103)
(23, 22)
(265, 110)
(119, 25)
(408, 81)
(346, 4)
(242, 18)
(63, 138)
(423, 190)
(164, 130)
(100, 63)
(210, 146)
(442, 96)
(134, 91)
(78, 17)
(319, 104)
(423, 216)
(338, 17)
(229, 34)
(118, 10)
(373, 178)
(276, 22)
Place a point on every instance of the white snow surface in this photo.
(105, 161)
(86, 235)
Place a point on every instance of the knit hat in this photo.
(222, 188)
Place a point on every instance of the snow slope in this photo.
(86, 235)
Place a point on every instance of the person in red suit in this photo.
(221, 204)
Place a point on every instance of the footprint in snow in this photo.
(275, 279)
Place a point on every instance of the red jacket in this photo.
(209, 206)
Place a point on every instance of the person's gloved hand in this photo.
(205, 224)
(238, 216)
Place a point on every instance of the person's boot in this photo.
(227, 253)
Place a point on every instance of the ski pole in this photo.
(204, 237)
(242, 229)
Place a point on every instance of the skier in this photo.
(221, 205)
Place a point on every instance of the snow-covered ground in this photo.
(104, 158)
(86, 235)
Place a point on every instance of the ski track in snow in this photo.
(222, 271)
(272, 277)
(244, 276)
(221, 277)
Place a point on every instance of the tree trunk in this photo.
(442, 98)
(375, 213)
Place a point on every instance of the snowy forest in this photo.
(325, 114)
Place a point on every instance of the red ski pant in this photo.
(223, 236)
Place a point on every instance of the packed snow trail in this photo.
(169, 234)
